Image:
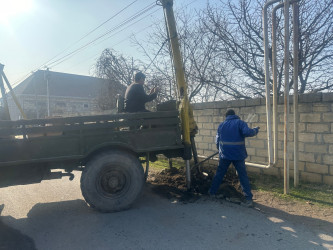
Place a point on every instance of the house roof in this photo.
(61, 84)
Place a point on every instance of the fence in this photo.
(315, 134)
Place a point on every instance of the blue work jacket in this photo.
(230, 138)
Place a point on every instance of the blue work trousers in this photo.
(242, 174)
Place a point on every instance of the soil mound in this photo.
(171, 183)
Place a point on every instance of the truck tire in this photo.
(112, 181)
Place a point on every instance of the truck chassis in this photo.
(108, 149)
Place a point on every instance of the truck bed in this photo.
(75, 138)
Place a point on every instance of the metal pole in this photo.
(188, 174)
(295, 78)
(271, 159)
(14, 96)
(147, 166)
(46, 76)
(267, 79)
(3, 93)
(36, 100)
(267, 82)
(274, 69)
(182, 87)
(286, 96)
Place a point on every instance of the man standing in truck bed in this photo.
(135, 96)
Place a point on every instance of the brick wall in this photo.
(315, 134)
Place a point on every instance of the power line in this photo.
(128, 27)
(69, 55)
(157, 54)
(141, 29)
(65, 57)
(90, 32)
(107, 20)
(119, 42)
(96, 55)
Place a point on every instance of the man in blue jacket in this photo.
(230, 141)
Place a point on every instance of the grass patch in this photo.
(318, 194)
(163, 163)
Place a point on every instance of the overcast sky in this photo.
(38, 32)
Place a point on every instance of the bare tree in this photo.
(118, 70)
(238, 32)
(107, 98)
(197, 50)
(155, 51)
(316, 45)
(114, 66)
(222, 49)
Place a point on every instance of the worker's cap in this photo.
(139, 76)
(230, 112)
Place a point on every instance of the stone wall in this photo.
(315, 134)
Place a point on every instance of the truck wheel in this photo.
(112, 181)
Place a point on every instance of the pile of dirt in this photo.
(171, 183)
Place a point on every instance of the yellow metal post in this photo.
(181, 83)
(178, 64)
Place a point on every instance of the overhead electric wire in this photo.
(119, 42)
(69, 55)
(108, 20)
(96, 55)
(90, 32)
(65, 57)
(128, 27)
(168, 39)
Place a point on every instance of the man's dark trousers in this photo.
(242, 174)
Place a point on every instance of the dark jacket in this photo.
(230, 138)
(136, 98)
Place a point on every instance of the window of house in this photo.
(86, 105)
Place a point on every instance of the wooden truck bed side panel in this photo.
(75, 137)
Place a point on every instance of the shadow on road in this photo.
(311, 223)
(11, 238)
(163, 223)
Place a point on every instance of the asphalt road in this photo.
(53, 215)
